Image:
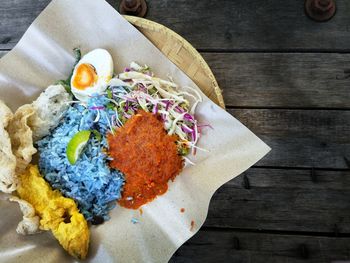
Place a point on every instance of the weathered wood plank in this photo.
(16, 17)
(301, 138)
(225, 24)
(245, 25)
(218, 246)
(285, 80)
(284, 200)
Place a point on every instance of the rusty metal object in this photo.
(133, 7)
(320, 10)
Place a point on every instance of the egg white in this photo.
(102, 61)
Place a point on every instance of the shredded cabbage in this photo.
(141, 90)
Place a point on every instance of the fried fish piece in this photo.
(58, 214)
(8, 179)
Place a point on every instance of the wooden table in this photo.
(288, 79)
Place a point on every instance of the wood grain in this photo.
(305, 80)
(252, 25)
(284, 200)
(16, 16)
(300, 138)
(225, 24)
(219, 246)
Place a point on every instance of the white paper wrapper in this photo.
(45, 55)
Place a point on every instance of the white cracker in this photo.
(30, 222)
(8, 180)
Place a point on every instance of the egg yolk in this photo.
(85, 76)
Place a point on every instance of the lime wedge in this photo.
(76, 146)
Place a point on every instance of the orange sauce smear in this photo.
(147, 156)
(192, 225)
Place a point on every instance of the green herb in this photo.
(130, 112)
(97, 135)
(145, 69)
(109, 94)
(121, 106)
(110, 106)
(152, 91)
(184, 105)
(183, 151)
(66, 83)
(77, 54)
(123, 119)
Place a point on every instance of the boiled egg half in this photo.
(92, 74)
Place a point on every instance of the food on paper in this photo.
(92, 74)
(152, 158)
(30, 222)
(74, 157)
(8, 180)
(100, 141)
(58, 214)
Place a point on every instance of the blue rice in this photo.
(90, 182)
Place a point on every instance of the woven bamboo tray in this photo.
(182, 54)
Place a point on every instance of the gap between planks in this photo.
(286, 108)
(325, 169)
(278, 51)
(275, 232)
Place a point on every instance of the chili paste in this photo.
(147, 156)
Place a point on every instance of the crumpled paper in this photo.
(45, 55)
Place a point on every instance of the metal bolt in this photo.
(320, 10)
(133, 7)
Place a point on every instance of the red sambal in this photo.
(147, 156)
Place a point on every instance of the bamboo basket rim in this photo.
(151, 25)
